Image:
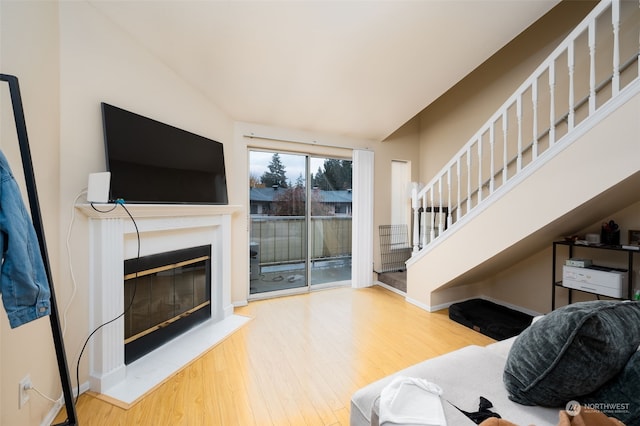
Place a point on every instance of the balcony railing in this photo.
(281, 239)
(592, 67)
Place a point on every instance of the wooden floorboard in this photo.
(297, 362)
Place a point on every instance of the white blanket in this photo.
(411, 401)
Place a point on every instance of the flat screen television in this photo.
(152, 162)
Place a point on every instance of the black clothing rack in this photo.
(21, 128)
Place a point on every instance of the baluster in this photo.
(570, 63)
(505, 163)
(519, 118)
(492, 140)
(552, 103)
(479, 169)
(440, 222)
(423, 221)
(432, 217)
(459, 190)
(592, 67)
(615, 20)
(416, 218)
(449, 217)
(534, 102)
(468, 179)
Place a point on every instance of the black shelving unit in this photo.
(571, 247)
(36, 218)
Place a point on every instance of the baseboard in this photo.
(512, 306)
(420, 304)
(435, 308)
(59, 405)
(55, 410)
(388, 287)
(487, 298)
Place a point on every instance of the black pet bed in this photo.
(490, 319)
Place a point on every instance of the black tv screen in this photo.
(153, 162)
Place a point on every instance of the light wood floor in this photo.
(297, 362)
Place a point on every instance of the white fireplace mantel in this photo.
(113, 238)
(157, 210)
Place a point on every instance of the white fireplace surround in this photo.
(113, 239)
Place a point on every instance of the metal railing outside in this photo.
(281, 239)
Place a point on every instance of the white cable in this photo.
(33, 388)
(30, 386)
(73, 278)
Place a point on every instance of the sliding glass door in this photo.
(330, 221)
(278, 232)
(300, 222)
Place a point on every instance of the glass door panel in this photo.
(278, 232)
(330, 221)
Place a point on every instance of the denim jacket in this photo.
(23, 280)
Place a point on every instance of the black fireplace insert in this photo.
(165, 295)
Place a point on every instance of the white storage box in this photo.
(610, 282)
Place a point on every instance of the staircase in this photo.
(562, 151)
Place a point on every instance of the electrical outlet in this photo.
(23, 391)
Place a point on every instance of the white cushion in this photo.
(464, 375)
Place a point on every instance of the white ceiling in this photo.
(350, 68)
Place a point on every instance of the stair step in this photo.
(397, 280)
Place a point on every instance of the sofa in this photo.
(587, 352)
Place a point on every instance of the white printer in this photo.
(606, 281)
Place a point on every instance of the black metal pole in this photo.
(21, 127)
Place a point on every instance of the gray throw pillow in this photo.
(571, 352)
(619, 397)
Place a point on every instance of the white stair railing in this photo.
(581, 76)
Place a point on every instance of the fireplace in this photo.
(167, 294)
(113, 241)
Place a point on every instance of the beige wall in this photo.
(528, 283)
(32, 57)
(528, 217)
(448, 123)
(99, 62)
(402, 145)
(70, 59)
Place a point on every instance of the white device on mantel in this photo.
(98, 189)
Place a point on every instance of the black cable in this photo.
(108, 211)
(84, 346)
